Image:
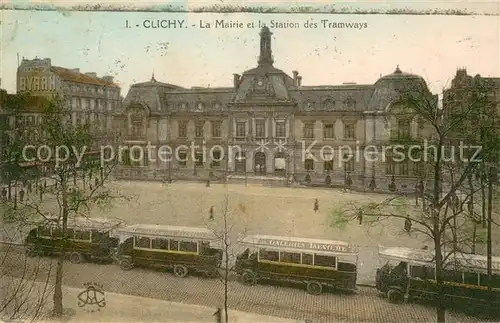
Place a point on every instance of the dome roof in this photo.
(399, 75)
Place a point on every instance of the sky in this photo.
(432, 46)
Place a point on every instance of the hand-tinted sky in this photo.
(431, 46)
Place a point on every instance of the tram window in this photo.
(495, 280)
(188, 246)
(324, 261)
(99, 236)
(57, 233)
(471, 278)
(69, 233)
(430, 273)
(293, 258)
(307, 259)
(82, 235)
(418, 272)
(173, 245)
(158, 243)
(269, 255)
(204, 247)
(452, 276)
(44, 231)
(142, 242)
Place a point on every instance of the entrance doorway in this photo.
(260, 163)
(240, 162)
(280, 164)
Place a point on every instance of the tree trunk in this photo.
(483, 198)
(58, 296)
(226, 270)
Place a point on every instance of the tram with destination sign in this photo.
(410, 274)
(314, 264)
(183, 249)
(84, 239)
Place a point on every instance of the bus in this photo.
(85, 239)
(411, 274)
(314, 264)
(183, 249)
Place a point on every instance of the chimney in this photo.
(295, 74)
(236, 80)
(91, 74)
(299, 80)
(76, 70)
(108, 78)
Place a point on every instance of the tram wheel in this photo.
(180, 271)
(248, 278)
(75, 257)
(314, 288)
(395, 296)
(126, 264)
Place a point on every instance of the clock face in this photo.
(259, 83)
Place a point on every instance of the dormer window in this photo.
(199, 106)
(328, 104)
(349, 103)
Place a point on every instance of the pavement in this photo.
(127, 308)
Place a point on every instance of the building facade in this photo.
(90, 98)
(269, 123)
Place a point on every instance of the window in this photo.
(57, 233)
(290, 257)
(142, 242)
(495, 280)
(328, 164)
(307, 259)
(269, 255)
(44, 231)
(198, 130)
(173, 245)
(188, 246)
(309, 130)
(420, 272)
(309, 164)
(99, 236)
(328, 131)
(198, 159)
(161, 244)
(183, 129)
(260, 128)
(389, 165)
(216, 158)
(240, 129)
(452, 276)
(280, 129)
(403, 168)
(403, 128)
(471, 278)
(81, 235)
(324, 261)
(182, 161)
(137, 126)
(216, 129)
(349, 163)
(349, 132)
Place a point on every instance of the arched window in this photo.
(328, 104)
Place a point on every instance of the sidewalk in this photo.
(126, 308)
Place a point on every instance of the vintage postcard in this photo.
(249, 162)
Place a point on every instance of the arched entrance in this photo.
(240, 162)
(280, 164)
(260, 163)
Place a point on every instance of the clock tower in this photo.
(266, 54)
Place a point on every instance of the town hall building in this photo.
(280, 126)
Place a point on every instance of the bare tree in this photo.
(223, 228)
(75, 157)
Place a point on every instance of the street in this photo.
(293, 303)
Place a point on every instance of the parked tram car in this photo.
(414, 277)
(315, 264)
(183, 249)
(85, 239)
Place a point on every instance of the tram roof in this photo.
(168, 231)
(426, 257)
(302, 244)
(90, 223)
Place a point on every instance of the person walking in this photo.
(316, 205)
(211, 213)
(408, 224)
(4, 193)
(21, 195)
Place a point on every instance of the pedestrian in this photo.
(21, 195)
(41, 192)
(419, 187)
(96, 182)
(408, 224)
(30, 188)
(45, 184)
(218, 315)
(4, 193)
(208, 183)
(211, 213)
(316, 205)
